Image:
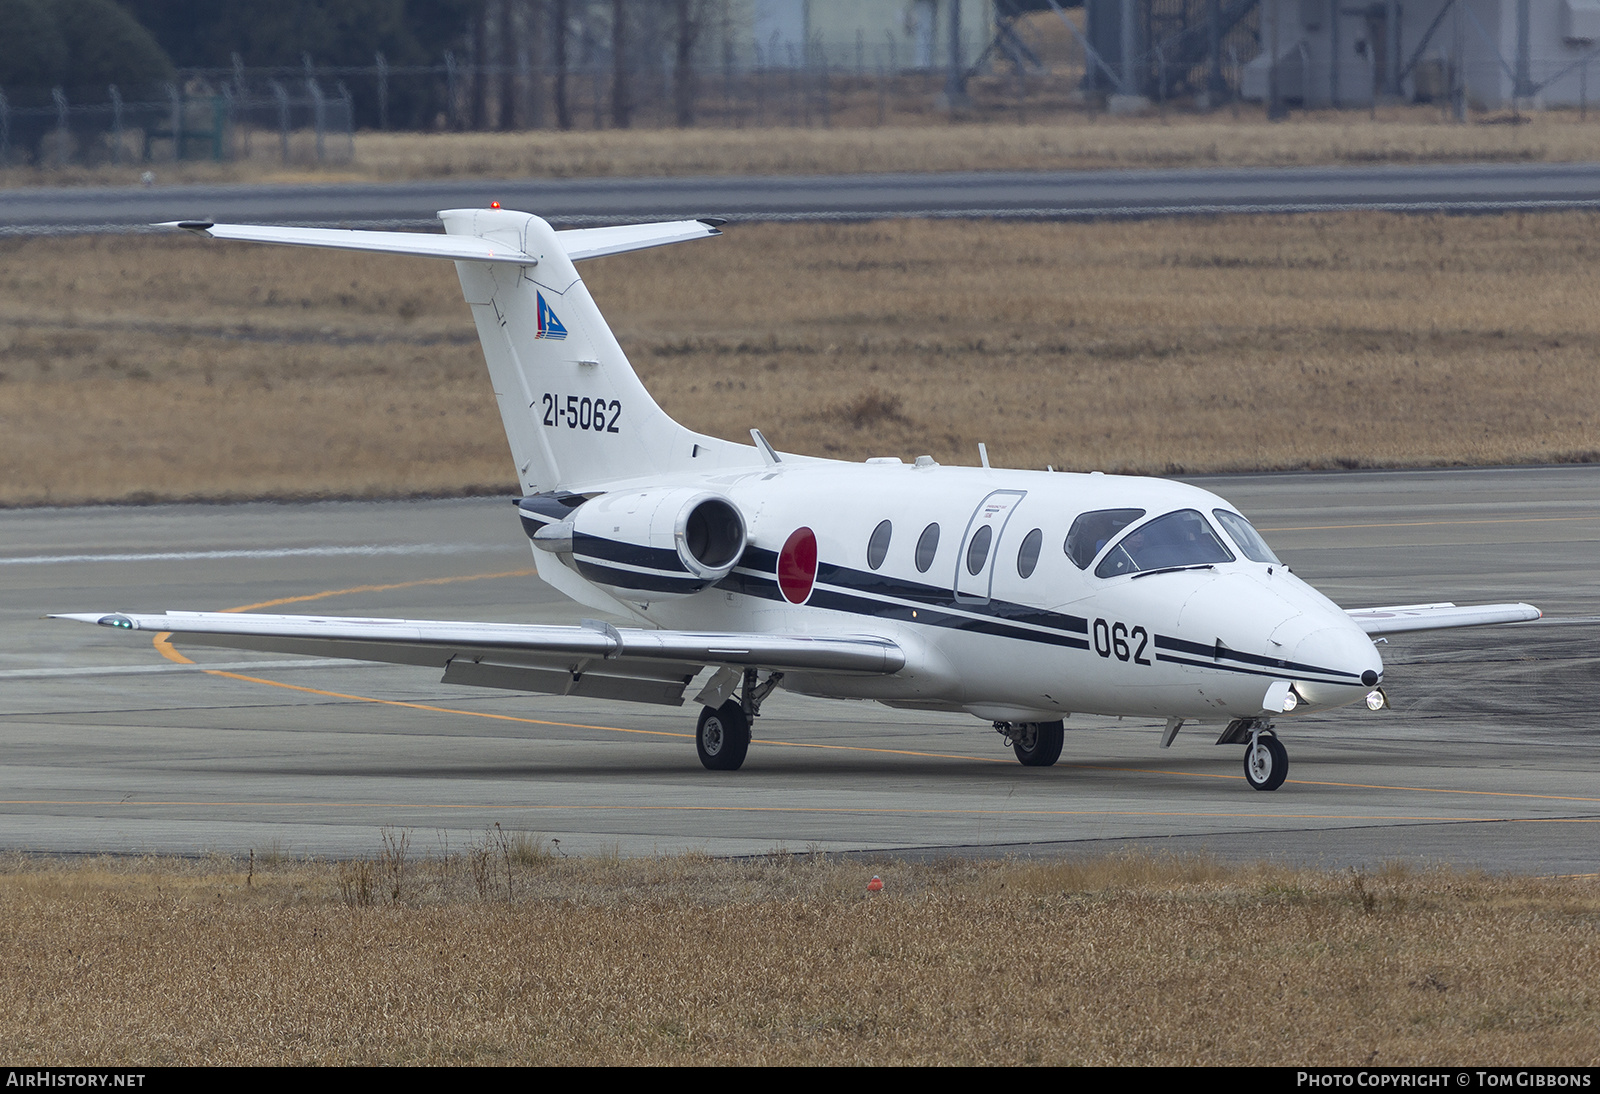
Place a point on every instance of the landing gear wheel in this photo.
(1266, 764)
(722, 737)
(1038, 744)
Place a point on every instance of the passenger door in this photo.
(980, 545)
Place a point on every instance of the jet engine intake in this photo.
(653, 544)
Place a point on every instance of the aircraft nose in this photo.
(1340, 662)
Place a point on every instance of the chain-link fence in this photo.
(298, 122)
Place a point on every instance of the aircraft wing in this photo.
(1436, 617)
(595, 659)
(579, 243)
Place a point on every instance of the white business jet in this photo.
(1016, 596)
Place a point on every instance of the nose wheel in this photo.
(1266, 762)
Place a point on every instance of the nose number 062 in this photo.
(1116, 640)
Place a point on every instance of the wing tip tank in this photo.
(198, 227)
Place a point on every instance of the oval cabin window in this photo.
(927, 547)
(1028, 553)
(878, 545)
(978, 549)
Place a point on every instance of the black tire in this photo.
(1267, 770)
(723, 737)
(1039, 743)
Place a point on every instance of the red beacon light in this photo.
(494, 205)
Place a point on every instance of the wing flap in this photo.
(1400, 618)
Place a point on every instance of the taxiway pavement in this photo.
(1490, 758)
(1046, 195)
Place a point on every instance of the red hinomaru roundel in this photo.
(797, 565)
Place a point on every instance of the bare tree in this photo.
(621, 102)
(508, 65)
(479, 89)
(559, 17)
(690, 17)
(533, 41)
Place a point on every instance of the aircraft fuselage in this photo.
(967, 570)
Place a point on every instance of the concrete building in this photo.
(872, 35)
(1485, 53)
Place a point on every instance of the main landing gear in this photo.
(723, 735)
(1266, 761)
(1037, 744)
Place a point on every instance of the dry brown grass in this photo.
(154, 367)
(919, 141)
(1127, 960)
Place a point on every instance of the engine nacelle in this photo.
(654, 544)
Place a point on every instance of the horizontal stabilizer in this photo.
(529, 657)
(579, 243)
(423, 244)
(1436, 617)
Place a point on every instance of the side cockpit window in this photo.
(1177, 539)
(1246, 537)
(1092, 531)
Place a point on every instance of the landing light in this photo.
(1377, 700)
(1290, 701)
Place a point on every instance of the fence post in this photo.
(821, 55)
(759, 74)
(1238, 80)
(1161, 67)
(383, 92)
(450, 87)
(116, 125)
(224, 127)
(349, 121)
(319, 117)
(63, 135)
(795, 90)
(176, 102)
(282, 96)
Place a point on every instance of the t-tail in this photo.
(575, 413)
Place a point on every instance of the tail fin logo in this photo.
(549, 325)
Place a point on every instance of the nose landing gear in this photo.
(1266, 761)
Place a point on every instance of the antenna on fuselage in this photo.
(983, 454)
(768, 453)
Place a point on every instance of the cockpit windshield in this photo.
(1244, 534)
(1092, 531)
(1177, 539)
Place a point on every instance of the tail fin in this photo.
(575, 413)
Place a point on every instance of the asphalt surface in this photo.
(1056, 195)
(1490, 758)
